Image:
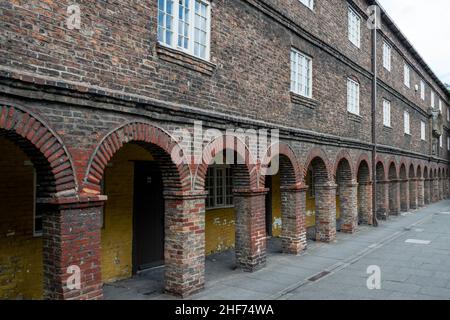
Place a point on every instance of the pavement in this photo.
(411, 252)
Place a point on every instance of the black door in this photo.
(148, 217)
(269, 206)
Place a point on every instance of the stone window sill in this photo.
(387, 128)
(304, 101)
(354, 117)
(185, 60)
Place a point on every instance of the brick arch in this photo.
(396, 166)
(380, 160)
(318, 153)
(344, 155)
(426, 172)
(419, 171)
(364, 157)
(156, 140)
(247, 175)
(403, 171)
(412, 171)
(290, 167)
(53, 163)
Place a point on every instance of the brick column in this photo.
(293, 209)
(435, 186)
(394, 197)
(250, 228)
(447, 191)
(326, 212)
(420, 192)
(441, 189)
(382, 199)
(71, 243)
(184, 245)
(404, 195)
(365, 212)
(427, 193)
(349, 206)
(413, 194)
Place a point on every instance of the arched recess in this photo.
(364, 198)
(413, 188)
(246, 194)
(404, 189)
(320, 198)
(346, 194)
(281, 173)
(394, 194)
(36, 172)
(382, 191)
(152, 216)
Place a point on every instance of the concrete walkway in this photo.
(410, 269)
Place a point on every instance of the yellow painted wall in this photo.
(219, 230)
(117, 233)
(21, 270)
(276, 205)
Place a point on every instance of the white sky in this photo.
(426, 24)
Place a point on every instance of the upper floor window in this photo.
(448, 143)
(432, 100)
(308, 3)
(440, 106)
(423, 132)
(441, 143)
(422, 90)
(407, 126)
(352, 96)
(448, 114)
(407, 76)
(354, 27)
(185, 25)
(219, 184)
(386, 113)
(301, 74)
(387, 56)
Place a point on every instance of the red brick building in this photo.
(88, 113)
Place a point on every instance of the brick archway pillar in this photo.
(365, 203)
(394, 197)
(420, 192)
(435, 187)
(250, 209)
(383, 199)
(404, 195)
(427, 190)
(71, 242)
(326, 212)
(413, 193)
(349, 206)
(184, 245)
(293, 209)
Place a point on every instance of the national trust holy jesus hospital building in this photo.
(92, 94)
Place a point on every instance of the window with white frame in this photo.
(387, 49)
(423, 131)
(308, 3)
(432, 100)
(219, 184)
(354, 27)
(448, 114)
(386, 113)
(440, 106)
(448, 143)
(185, 25)
(441, 145)
(422, 90)
(352, 96)
(301, 74)
(407, 124)
(407, 75)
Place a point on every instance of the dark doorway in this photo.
(148, 217)
(269, 206)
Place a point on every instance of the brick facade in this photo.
(70, 99)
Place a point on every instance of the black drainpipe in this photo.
(374, 118)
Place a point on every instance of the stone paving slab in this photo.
(408, 271)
